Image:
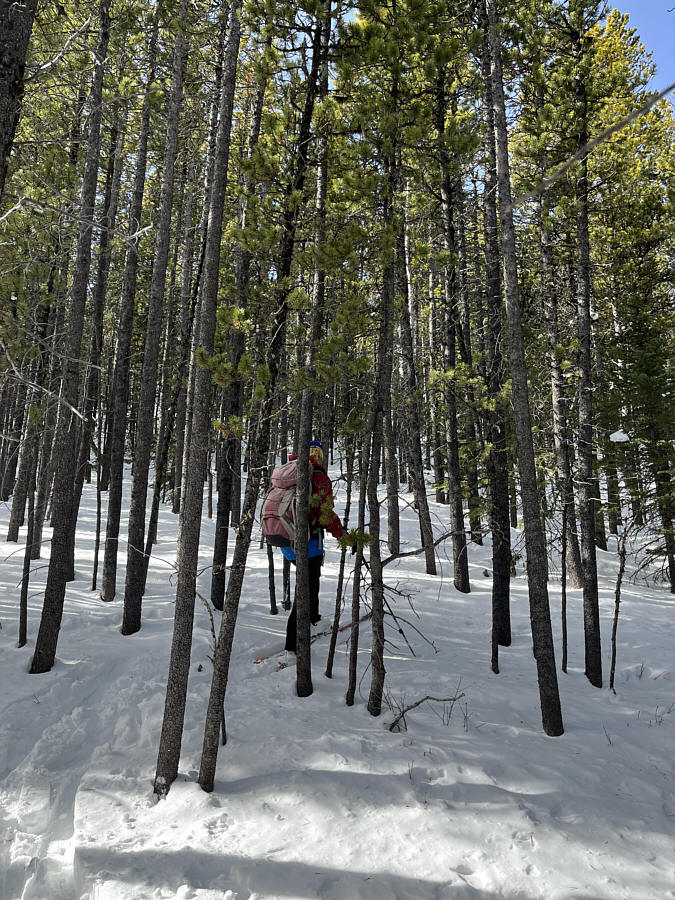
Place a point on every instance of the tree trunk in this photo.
(542, 635)
(304, 685)
(593, 652)
(460, 559)
(117, 413)
(413, 415)
(472, 427)
(382, 388)
(561, 439)
(23, 600)
(228, 459)
(64, 516)
(258, 444)
(16, 25)
(498, 464)
(191, 501)
(341, 573)
(135, 574)
(92, 379)
(391, 473)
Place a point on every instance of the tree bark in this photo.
(16, 25)
(259, 439)
(382, 388)
(460, 559)
(343, 556)
(233, 398)
(413, 415)
(304, 685)
(540, 619)
(593, 651)
(64, 516)
(120, 393)
(559, 402)
(191, 501)
(364, 465)
(135, 574)
(498, 465)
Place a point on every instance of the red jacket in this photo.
(321, 503)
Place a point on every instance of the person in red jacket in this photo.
(321, 515)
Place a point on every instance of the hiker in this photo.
(321, 516)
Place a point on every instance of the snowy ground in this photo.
(317, 800)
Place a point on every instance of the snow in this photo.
(317, 800)
(619, 437)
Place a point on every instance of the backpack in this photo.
(278, 508)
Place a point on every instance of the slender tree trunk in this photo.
(559, 402)
(341, 573)
(391, 478)
(23, 602)
(97, 540)
(120, 392)
(381, 389)
(304, 685)
(472, 426)
(233, 399)
(460, 559)
(377, 583)
(92, 377)
(27, 437)
(64, 516)
(593, 652)
(617, 604)
(169, 416)
(46, 469)
(542, 635)
(191, 501)
(135, 574)
(258, 445)
(413, 413)
(364, 465)
(498, 465)
(434, 394)
(184, 406)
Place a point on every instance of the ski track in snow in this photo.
(316, 800)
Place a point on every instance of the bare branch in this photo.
(394, 556)
(95, 224)
(38, 387)
(17, 206)
(47, 67)
(407, 709)
(550, 180)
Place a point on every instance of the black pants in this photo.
(315, 563)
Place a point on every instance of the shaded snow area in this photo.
(317, 800)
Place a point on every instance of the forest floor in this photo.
(317, 800)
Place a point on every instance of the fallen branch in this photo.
(389, 559)
(407, 709)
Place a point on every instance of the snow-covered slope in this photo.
(317, 800)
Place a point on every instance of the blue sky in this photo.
(656, 27)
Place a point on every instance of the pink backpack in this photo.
(278, 508)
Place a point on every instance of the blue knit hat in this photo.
(316, 452)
